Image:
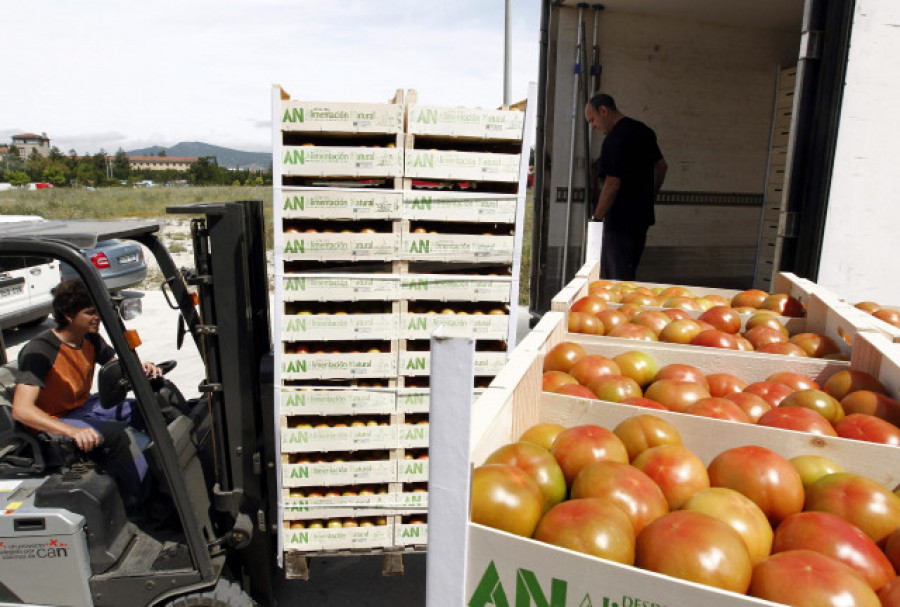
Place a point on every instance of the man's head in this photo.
(601, 113)
(69, 298)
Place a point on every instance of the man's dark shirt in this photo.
(630, 152)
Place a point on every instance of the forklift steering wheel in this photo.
(166, 366)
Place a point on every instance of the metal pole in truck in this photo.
(577, 73)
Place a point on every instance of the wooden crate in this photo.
(524, 570)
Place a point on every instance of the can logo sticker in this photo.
(51, 549)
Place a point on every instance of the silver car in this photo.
(120, 264)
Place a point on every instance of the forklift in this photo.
(65, 538)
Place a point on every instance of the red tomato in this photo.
(818, 401)
(753, 405)
(675, 395)
(784, 304)
(681, 303)
(583, 322)
(809, 579)
(888, 315)
(752, 298)
(723, 318)
(655, 320)
(505, 497)
(813, 467)
(554, 379)
(642, 432)
(766, 318)
(723, 384)
(713, 338)
(815, 345)
(772, 392)
(562, 356)
(761, 335)
(682, 372)
(890, 594)
(592, 366)
(846, 381)
(764, 476)
(857, 499)
(677, 471)
(576, 447)
(590, 304)
(695, 547)
(892, 549)
(718, 408)
(630, 330)
(624, 486)
(538, 463)
(591, 526)
(793, 380)
(738, 512)
(614, 388)
(782, 349)
(641, 299)
(611, 319)
(868, 428)
(676, 313)
(832, 536)
(542, 434)
(681, 331)
(637, 365)
(872, 403)
(800, 419)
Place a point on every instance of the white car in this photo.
(25, 284)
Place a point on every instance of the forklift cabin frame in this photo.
(232, 334)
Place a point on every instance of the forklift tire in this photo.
(225, 594)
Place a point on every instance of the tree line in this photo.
(102, 170)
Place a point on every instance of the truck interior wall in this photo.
(708, 92)
(863, 214)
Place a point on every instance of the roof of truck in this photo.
(83, 234)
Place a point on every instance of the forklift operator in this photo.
(53, 393)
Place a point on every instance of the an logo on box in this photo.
(293, 115)
(490, 593)
(294, 203)
(293, 157)
(426, 116)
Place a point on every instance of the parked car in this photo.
(25, 284)
(121, 264)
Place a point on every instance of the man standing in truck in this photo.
(631, 169)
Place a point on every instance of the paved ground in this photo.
(335, 581)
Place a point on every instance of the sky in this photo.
(109, 74)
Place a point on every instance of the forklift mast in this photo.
(234, 337)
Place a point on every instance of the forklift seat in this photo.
(20, 451)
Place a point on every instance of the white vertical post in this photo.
(452, 386)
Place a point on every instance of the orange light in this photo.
(195, 299)
(133, 339)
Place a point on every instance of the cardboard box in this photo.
(412, 470)
(341, 538)
(427, 205)
(331, 161)
(341, 287)
(470, 123)
(414, 364)
(332, 117)
(461, 166)
(471, 248)
(308, 246)
(412, 436)
(339, 203)
(338, 366)
(360, 506)
(327, 327)
(331, 474)
(338, 401)
(413, 400)
(483, 326)
(444, 287)
(318, 440)
(410, 534)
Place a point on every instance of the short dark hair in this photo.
(601, 99)
(69, 298)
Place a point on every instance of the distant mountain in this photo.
(226, 157)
